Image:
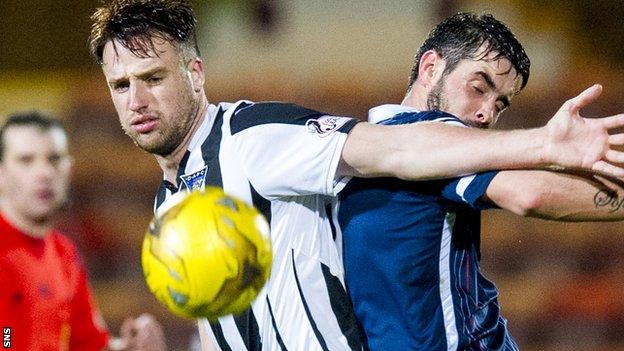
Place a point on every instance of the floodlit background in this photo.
(561, 285)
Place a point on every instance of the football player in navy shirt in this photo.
(412, 249)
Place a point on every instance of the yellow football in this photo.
(207, 255)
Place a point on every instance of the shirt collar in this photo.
(381, 113)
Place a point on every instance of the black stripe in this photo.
(263, 205)
(210, 152)
(328, 213)
(249, 331)
(346, 128)
(277, 334)
(218, 333)
(182, 170)
(343, 310)
(317, 332)
(161, 193)
(271, 112)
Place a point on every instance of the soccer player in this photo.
(45, 301)
(411, 249)
(290, 161)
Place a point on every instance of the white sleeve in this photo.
(288, 150)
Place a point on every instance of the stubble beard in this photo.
(171, 131)
(436, 99)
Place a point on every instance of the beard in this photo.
(164, 141)
(436, 99)
(171, 130)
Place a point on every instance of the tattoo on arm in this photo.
(609, 199)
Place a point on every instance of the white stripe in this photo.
(206, 336)
(462, 185)
(231, 334)
(446, 297)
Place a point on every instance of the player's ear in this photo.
(196, 70)
(431, 64)
(70, 161)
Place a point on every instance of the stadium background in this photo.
(562, 285)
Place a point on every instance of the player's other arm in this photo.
(433, 150)
(557, 196)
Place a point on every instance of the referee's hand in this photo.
(140, 334)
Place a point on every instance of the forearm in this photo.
(557, 196)
(430, 150)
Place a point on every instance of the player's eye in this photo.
(121, 87)
(478, 90)
(154, 80)
(25, 160)
(54, 159)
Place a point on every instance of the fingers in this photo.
(148, 334)
(127, 329)
(608, 169)
(611, 122)
(614, 156)
(585, 98)
(616, 139)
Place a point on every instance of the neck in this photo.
(416, 97)
(29, 226)
(170, 163)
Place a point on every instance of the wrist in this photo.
(544, 150)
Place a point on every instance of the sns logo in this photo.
(323, 126)
(6, 337)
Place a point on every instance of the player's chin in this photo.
(43, 212)
(155, 146)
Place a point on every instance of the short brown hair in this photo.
(135, 23)
(33, 119)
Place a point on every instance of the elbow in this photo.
(529, 203)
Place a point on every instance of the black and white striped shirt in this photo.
(282, 158)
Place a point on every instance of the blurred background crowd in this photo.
(562, 285)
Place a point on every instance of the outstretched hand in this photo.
(140, 334)
(585, 143)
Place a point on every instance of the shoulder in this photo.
(64, 247)
(247, 114)
(423, 116)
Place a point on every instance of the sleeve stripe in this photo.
(248, 116)
(463, 184)
(346, 128)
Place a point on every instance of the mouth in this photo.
(45, 195)
(144, 124)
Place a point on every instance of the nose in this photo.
(45, 170)
(138, 97)
(486, 115)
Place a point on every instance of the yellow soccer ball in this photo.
(207, 255)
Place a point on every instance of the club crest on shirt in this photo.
(195, 181)
(325, 125)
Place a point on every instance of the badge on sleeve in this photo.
(325, 125)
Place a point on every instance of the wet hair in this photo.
(461, 36)
(34, 119)
(136, 23)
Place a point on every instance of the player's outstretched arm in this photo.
(434, 150)
(557, 196)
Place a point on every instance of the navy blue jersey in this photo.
(411, 255)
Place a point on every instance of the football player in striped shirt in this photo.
(412, 249)
(290, 162)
